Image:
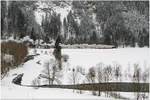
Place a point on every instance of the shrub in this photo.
(65, 57)
(15, 51)
(80, 70)
(36, 82)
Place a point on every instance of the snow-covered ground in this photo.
(18, 92)
(126, 57)
(77, 57)
(90, 57)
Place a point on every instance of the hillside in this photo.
(119, 23)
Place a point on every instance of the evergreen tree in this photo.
(33, 36)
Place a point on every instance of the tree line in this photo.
(18, 19)
(119, 23)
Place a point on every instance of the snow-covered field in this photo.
(77, 57)
(124, 56)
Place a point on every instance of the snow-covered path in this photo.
(83, 57)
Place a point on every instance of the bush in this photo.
(36, 82)
(65, 57)
(17, 52)
(80, 70)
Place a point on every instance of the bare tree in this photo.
(137, 74)
(127, 73)
(107, 73)
(51, 72)
(99, 75)
(74, 77)
(81, 73)
(80, 70)
(91, 77)
(136, 78)
(46, 72)
(145, 79)
(145, 75)
(36, 82)
(34, 51)
(117, 71)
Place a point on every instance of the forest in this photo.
(118, 23)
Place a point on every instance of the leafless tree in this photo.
(128, 73)
(74, 76)
(107, 74)
(145, 74)
(36, 82)
(91, 77)
(117, 71)
(35, 51)
(99, 75)
(136, 78)
(137, 74)
(81, 70)
(51, 72)
(145, 79)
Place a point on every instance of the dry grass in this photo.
(17, 50)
